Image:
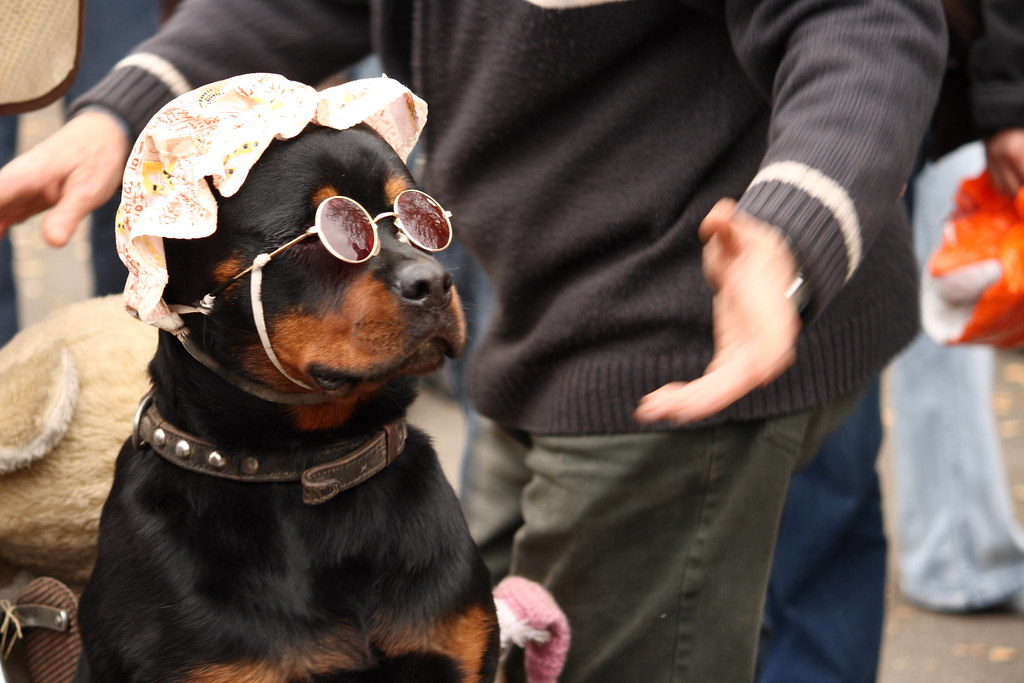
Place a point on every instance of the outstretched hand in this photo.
(750, 266)
(75, 170)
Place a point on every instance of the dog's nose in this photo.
(424, 282)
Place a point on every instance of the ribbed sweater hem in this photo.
(597, 395)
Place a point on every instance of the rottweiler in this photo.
(273, 518)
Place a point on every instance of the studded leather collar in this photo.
(359, 459)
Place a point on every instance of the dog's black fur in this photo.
(208, 580)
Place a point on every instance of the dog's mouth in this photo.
(330, 379)
(422, 360)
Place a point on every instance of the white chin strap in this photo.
(256, 284)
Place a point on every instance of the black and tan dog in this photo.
(252, 538)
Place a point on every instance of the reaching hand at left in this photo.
(750, 266)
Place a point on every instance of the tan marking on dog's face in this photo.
(229, 268)
(330, 414)
(364, 335)
(325, 192)
(334, 413)
(361, 330)
(465, 638)
(458, 319)
(395, 186)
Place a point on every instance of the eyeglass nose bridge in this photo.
(406, 232)
(398, 224)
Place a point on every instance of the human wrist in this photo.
(116, 118)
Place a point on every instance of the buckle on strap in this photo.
(322, 482)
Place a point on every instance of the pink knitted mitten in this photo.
(530, 618)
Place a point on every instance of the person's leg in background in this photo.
(112, 28)
(8, 291)
(826, 592)
(960, 546)
(663, 522)
(493, 476)
(826, 596)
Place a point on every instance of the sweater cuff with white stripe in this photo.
(134, 92)
(819, 221)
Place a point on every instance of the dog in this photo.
(251, 535)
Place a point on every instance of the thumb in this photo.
(63, 219)
(718, 222)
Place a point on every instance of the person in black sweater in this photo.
(689, 214)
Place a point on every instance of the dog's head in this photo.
(340, 328)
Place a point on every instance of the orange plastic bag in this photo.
(973, 289)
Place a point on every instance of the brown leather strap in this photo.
(323, 482)
(359, 459)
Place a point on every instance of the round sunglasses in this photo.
(349, 232)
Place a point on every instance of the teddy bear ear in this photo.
(38, 391)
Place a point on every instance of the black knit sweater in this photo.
(580, 147)
(997, 67)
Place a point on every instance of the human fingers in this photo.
(75, 170)
(1005, 152)
(755, 341)
(755, 325)
(727, 381)
(23, 192)
(718, 221)
(64, 218)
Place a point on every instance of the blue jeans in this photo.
(112, 28)
(825, 604)
(8, 293)
(960, 547)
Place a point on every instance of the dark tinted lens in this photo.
(423, 220)
(346, 229)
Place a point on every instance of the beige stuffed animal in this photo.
(69, 387)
